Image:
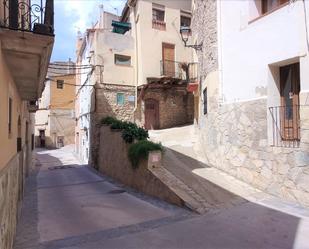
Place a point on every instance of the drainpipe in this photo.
(136, 57)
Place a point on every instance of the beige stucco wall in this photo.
(14, 166)
(56, 112)
(106, 45)
(150, 40)
(63, 98)
(8, 89)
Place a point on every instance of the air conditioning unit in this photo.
(33, 106)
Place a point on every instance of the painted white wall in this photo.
(107, 44)
(84, 99)
(249, 48)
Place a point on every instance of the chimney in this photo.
(101, 20)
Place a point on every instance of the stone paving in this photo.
(76, 208)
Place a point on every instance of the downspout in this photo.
(306, 24)
(220, 64)
(136, 58)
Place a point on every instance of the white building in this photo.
(254, 112)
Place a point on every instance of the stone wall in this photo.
(234, 138)
(105, 104)
(114, 162)
(176, 107)
(11, 193)
(106, 101)
(204, 29)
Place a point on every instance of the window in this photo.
(158, 15)
(269, 5)
(122, 60)
(120, 98)
(185, 21)
(10, 115)
(205, 100)
(60, 84)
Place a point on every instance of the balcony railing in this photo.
(160, 25)
(37, 17)
(285, 126)
(180, 70)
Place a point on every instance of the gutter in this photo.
(132, 7)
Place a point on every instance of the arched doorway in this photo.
(152, 114)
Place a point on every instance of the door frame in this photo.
(157, 111)
(170, 46)
(290, 127)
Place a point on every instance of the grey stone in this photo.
(301, 158)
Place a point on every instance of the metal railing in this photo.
(26, 16)
(180, 70)
(160, 25)
(285, 126)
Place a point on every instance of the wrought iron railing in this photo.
(180, 70)
(24, 15)
(285, 126)
(160, 25)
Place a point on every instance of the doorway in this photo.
(289, 94)
(152, 114)
(168, 57)
(42, 138)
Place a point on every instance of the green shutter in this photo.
(120, 98)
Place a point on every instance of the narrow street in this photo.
(69, 206)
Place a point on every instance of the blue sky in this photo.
(74, 15)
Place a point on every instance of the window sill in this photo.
(123, 65)
(268, 13)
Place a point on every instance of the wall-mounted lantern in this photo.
(185, 33)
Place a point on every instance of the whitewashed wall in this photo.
(249, 48)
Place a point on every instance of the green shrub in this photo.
(132, 131)
(117, 125)
(108, 120)
(140, 150)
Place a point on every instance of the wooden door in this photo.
(42, 138)
(289, 91)
(168, 57)
(151, 114)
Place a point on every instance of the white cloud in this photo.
(87, 11)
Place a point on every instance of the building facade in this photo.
(139, 70)
(55, 118)
(25, 50)
(253, 94)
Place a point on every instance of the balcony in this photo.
(160, 25)
(24, 16)
(179, 70)
(27, 38)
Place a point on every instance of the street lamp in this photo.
(185, 32)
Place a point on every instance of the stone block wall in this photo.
(106, 101)
(114, 162)
(176, 107)
(11, 192)
(106, 105)
(234, 138)
(204, 29)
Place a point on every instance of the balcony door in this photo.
(168, 55)
(289, 91)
